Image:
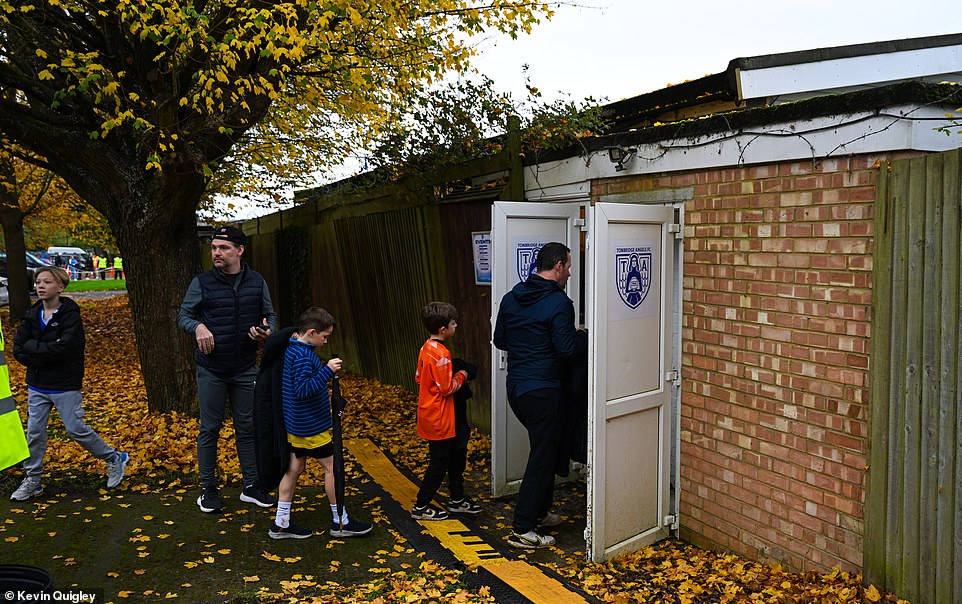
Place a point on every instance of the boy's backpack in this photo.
(270, 433)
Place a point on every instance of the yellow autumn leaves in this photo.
(229, 60)
(163, 448)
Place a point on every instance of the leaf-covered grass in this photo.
(146, 541)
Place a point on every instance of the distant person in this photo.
(438, 381)
(119, 268)
(536, 326)
(102, 267)
(58, 260)
(228, 310)
(307, 417)
(50, 343)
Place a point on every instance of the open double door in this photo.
(628, 309)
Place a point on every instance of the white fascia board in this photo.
(902, 128)
(569, 180)
(941, 63)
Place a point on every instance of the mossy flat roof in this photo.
(850, 103)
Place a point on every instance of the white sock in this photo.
(344, 519)
(283, 516)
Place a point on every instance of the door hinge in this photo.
(582, 223)
(670, 521)
(672, 376)
(677, 230)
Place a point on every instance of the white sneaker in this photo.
(30, 487)
(464, 506)
(549, 519)
(428, 512)
(530, 540)
(116, 468)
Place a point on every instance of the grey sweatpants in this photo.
(70, 408)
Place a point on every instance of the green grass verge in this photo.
(97, 285)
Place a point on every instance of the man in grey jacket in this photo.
(228, 310)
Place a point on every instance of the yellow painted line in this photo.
(532, 583)
(383, 471)
(459, 539)
(462, 542)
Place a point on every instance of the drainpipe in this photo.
(515, 189)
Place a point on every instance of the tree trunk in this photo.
(159, 262)
(17, 286)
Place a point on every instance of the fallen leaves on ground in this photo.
(163, 450)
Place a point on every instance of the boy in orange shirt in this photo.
(437, 382)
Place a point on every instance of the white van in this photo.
(85, 260)
(72, 251)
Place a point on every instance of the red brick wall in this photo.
(775, 345)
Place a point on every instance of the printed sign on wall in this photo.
(634, 286)
(481, 241)
(526, 255)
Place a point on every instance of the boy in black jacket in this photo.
(50, 342)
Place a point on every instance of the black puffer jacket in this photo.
(54, 356)
(270, 433)
(229, 307)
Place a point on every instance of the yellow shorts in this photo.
(319, 445)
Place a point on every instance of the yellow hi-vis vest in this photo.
(13, 443)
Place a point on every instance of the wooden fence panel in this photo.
(329, 289)
(913, 498)
(261, 254)
(473, 339)
(393, 265)
(294, 274)
(948, 536)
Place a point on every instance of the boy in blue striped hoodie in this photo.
(307, 416)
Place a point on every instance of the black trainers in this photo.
(254, 495)
(209, 500)
(428, 512)
(463, 506)
(354, 528)
(290, 532)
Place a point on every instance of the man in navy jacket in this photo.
(228, 310)
(536, 326)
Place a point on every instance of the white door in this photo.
(518, 230)
(629, 311)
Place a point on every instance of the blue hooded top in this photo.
(536, 326)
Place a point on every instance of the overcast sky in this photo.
(615, 49)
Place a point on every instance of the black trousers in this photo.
(444, 457)
(541, 412)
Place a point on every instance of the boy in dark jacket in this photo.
(50, 342)
(307, 417)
